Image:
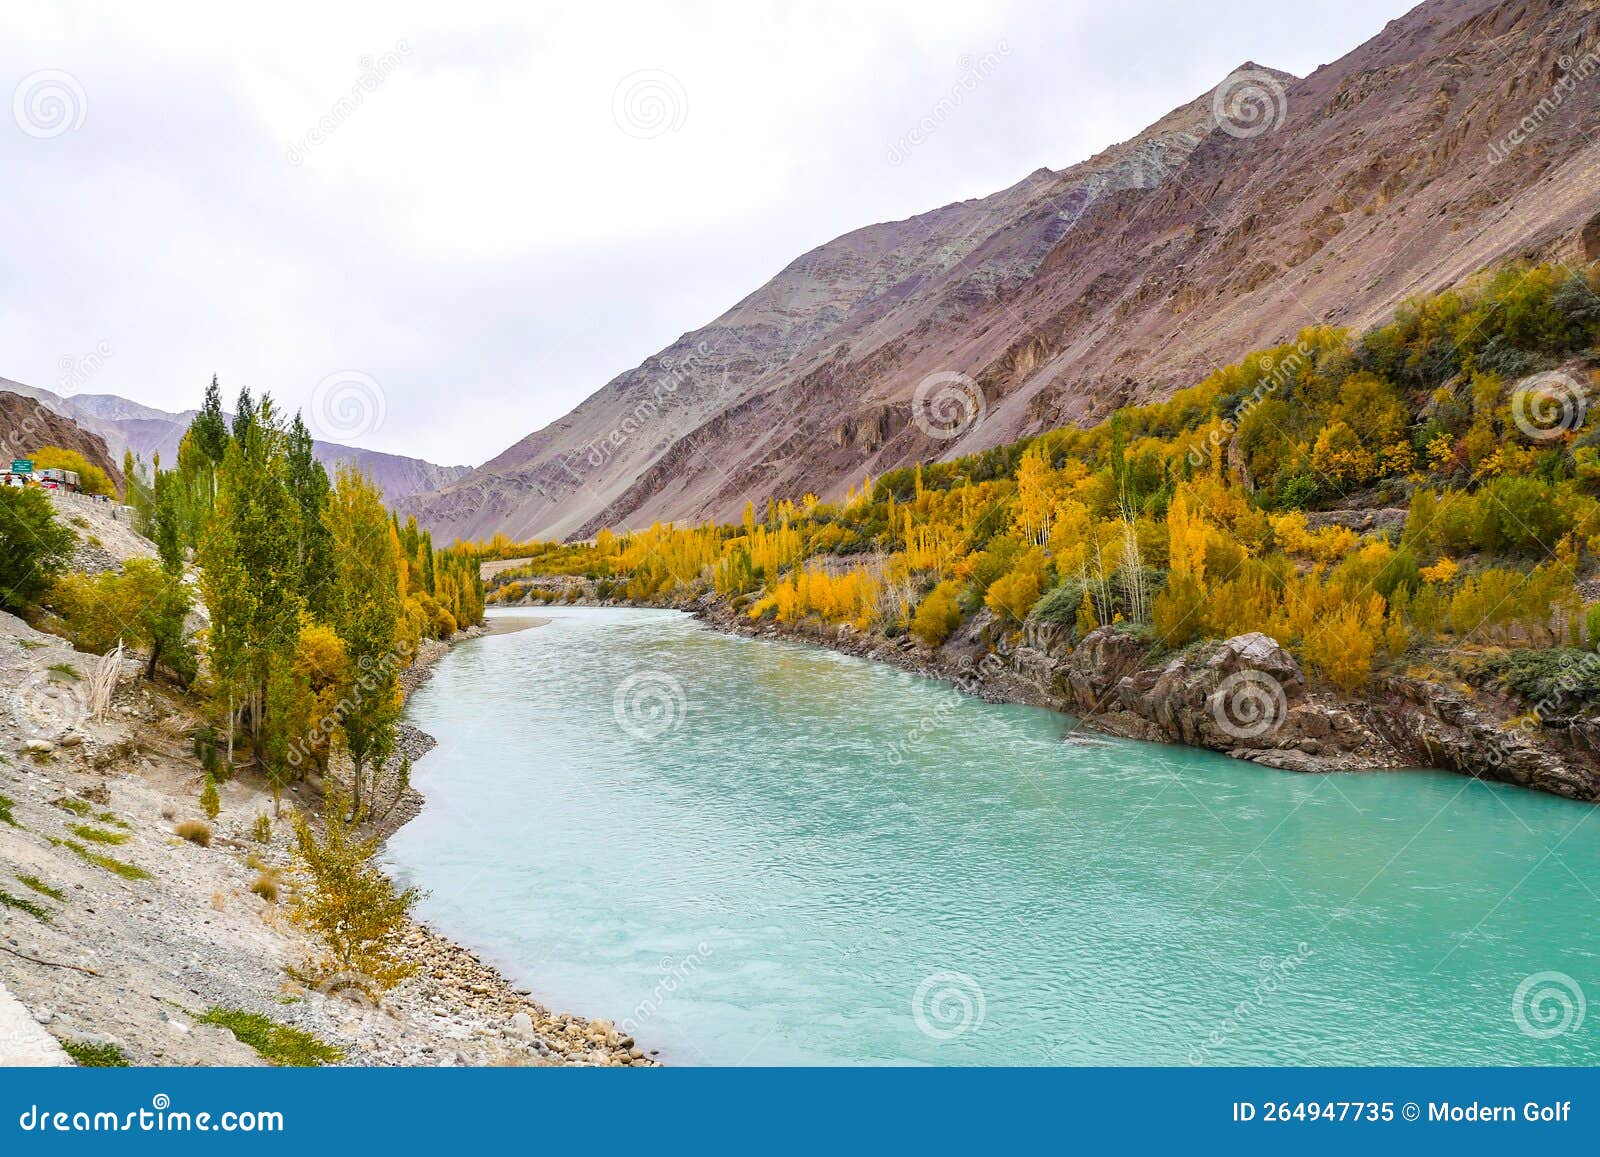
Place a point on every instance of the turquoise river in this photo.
(757, 852)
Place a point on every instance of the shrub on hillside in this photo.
(936, 616)
(34, 547)
(352, 907)
(195, 832)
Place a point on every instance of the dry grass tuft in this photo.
(265, 885)
(195, 831)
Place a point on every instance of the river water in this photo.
(754, 852)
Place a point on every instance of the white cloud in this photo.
(478, 233)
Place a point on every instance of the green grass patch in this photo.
(126, 871)
(111, 818)
(41, 887)
(78, 807)
(278, 1043)
(37, 911)
(99, 835)
(6, 804)
(67, 671)
(96, 1056)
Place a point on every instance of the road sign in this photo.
(22, 465)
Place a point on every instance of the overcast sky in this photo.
(462, 218)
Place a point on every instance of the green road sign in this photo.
(22, 465)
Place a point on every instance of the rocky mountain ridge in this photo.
(1452, 140)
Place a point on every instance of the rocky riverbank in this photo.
(1246, 697)
(117, 933)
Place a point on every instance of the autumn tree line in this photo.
(315, 595)
(1207, 515)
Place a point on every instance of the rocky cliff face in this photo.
(27, 426)
(1246, 696)
(1454, 139)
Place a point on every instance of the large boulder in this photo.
(1261, 653)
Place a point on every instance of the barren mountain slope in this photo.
(1400, 168)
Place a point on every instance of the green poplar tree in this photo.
(308, 484)
(210, 428)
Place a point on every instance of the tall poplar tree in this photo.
(366, 610)
(249, 558)
(308, 484)
(210, 428)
